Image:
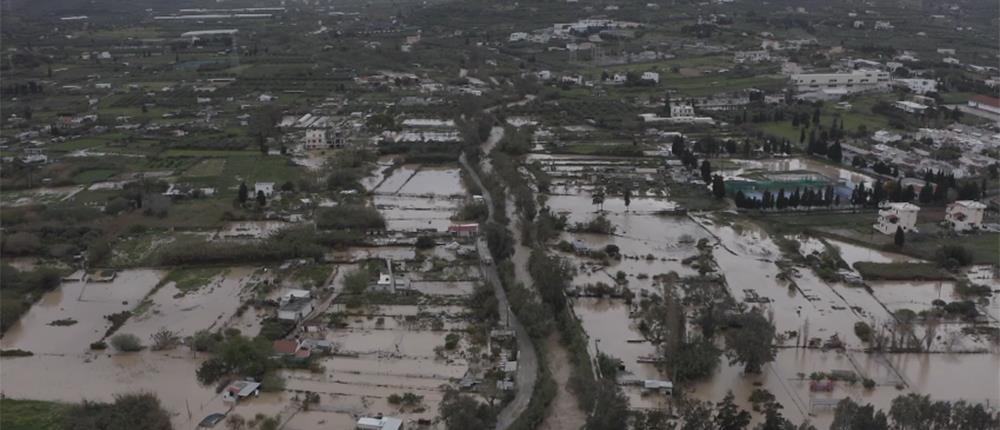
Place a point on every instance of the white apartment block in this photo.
(316, 139)
(965, 215)
(856, 81)
(681, 111)
(893, 215)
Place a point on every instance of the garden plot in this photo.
(363, 399)
(438, 181)
(250, 229)
(185, 312)
(405, 213)
(39, 195)
(98, 377)
(318, 417)
(377, 175)
(444, 288)
(813, 309)
(395, 181)
(914, 295)
(81, 305)
(944, 336)
(355, 254)
(852, 253)
(611, 331)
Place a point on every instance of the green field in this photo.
(31, 414)
(94, 175)
(900, 271)
(209, 167)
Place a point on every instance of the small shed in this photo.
(381, 423)
(240, 390)
(295, 309)
(664, 387)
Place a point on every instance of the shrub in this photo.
(425, 242)
(868, 383)
(15, 353)
(451, 341)
(126, 342)
(99, 346)
(863, 330)
(952, 257)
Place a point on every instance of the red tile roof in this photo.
(285, 346)
(986, 100)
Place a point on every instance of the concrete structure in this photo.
(856, 81)
(910, 107)
(985, 103)
(382, 423)
(663, 387)
(965, 215)
(295, 309)
(466, 230)
(650, 76)
(266, 187)
(316, 139)
(893, 215)
(680, 110)
(918, 86)
(240, 390)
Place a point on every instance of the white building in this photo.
(986, 103)
(265, 187)
(883, 25)
(295, 309)
(518, 36)
(316, 139)
(680, 110)
(894, 215)
(965, 215)
(918, 86)
(910, 107)
(741, 57)
(384, 423)
(859, 80)
(651, 76)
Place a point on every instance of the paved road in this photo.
(527, 364)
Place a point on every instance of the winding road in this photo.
(527, 360)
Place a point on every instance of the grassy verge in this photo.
(31, 415)
(901, 271)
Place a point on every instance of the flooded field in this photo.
(802, 306)
(207, 308)
(84, 302)
(439, 181)
(405, 213)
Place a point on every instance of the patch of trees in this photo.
(19, 289)
(349, 217)
(127, 412)
(914, 411)
(524, 197)
(460, 412)
(236, 356)
(822, 197)
(598, 225)
(952, 257)
(284, 246)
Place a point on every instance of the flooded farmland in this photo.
(804, 308)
